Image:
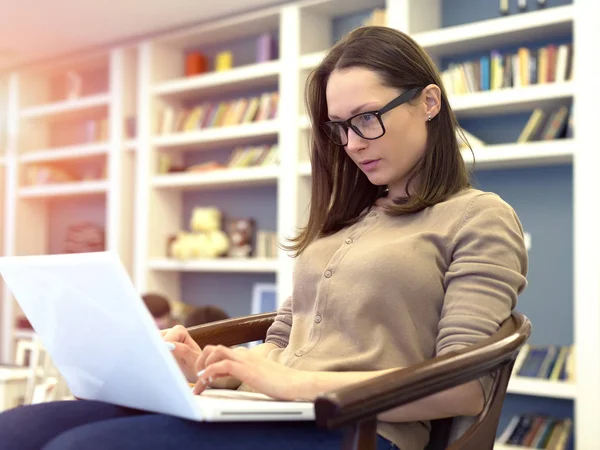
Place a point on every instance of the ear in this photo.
(432, 95)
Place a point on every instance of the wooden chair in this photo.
(355, 408)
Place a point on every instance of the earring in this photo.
(429, 118)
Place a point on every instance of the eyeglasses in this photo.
(368, 125)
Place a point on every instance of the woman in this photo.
(401, 260)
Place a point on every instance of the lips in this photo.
(369, 164)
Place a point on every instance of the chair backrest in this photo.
(480, 433)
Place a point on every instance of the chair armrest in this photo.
(239, 330)
(369, 398)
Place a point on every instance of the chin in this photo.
(378, 179)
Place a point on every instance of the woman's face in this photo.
(389, 159)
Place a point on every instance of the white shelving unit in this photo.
(222, 136)
(160, 197)
(85, 105)
(542, 388)
(507, 101)
(304, 30)
(70, 152)
(234, 265)
(505, 31)
(3, 161)
(251, 76)
(49, 128)
(226, 178)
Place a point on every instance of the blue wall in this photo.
(542, 197)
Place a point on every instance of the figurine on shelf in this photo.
(224, 61)
(84, 237)
(196, 63)
(206, 239)
(241, 235)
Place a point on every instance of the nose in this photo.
(355, 142)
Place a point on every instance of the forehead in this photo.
(348, 88)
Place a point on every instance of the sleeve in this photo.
(486, 274)
(279, 332)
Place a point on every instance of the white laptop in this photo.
(103, 340)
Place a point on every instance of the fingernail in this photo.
(201, 373)
(170, 346)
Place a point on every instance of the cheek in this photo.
(409, 138)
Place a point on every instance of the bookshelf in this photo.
(165, 201)
(150, 78)
(3, 162)
(66, 163)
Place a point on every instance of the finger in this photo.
(221, 369)
(206, 353)
(221, 352)
(184, 354)
(176, 334)
(165, 331)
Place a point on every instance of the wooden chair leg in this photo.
(361, 436)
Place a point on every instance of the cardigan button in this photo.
(349, 241)
(299, 353)
(318, 319)
(328, 274)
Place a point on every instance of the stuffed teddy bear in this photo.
(180, 246)
(206, 239)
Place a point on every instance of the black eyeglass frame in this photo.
(346, 124)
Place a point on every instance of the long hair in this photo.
(340, 190)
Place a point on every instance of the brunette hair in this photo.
(340, 190)
(157, 304)
(204, 314)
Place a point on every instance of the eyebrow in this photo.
(354, 111)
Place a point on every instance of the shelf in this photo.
(130, 145)
(247, 78)
(225, 136)
(230, 265)
(511, 100)
(24, 334)
(303, 122)
(73, 189)
(501, 101)
(70, 108)
(311, 60)
(514, 29)
(62, 153)
(530, 154)
(304, 169)
(541, 388)
(238, 177)
(337, 8)
(510, 447)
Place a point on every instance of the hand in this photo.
(259, 373)
(186, 350)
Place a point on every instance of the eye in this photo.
(367, 118)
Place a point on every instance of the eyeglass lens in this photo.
(366, 125)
